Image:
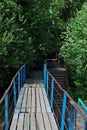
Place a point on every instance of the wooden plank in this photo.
(33, 100)
(26, 85)
(37, 85)
(41, 84)
(38, 108)
(20, 121)
(28, 106)
(22, 90)
(33, 122)
(26, 121)
(36, 112)
(39, 121)
(19, 103)
(52, 121)
(23, 108)
(14, 122)
(46, 121)
(48, 109)
(43, 109)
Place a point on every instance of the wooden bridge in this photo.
(33, 111)
(41, 102)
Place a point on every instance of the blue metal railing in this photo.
(84, 108)
(80, 103)
(9, 99)
(63, 106)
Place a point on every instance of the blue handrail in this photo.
(80, 102)
(63, 106)
(12, 92)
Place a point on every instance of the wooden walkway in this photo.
(33, 110)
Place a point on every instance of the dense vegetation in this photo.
(31, 30)
(74, 50)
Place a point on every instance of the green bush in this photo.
(74, 50)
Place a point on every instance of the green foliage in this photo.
(68, 8)
(13, 40)
(44, 26)
(30, 31)
(75, 51)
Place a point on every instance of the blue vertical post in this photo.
(6, 112)
(71, 123)
(21, 77)
(52, 94)
(24, 72)
(85, 126)
(47, 83)
(45, 74)
(14, 90)
(63, 111)
(18, 83)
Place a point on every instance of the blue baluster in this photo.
(85, 128)
(71, 123)
(14, 90)
(21, 78)
(47, 83)
(24, 72)
(18, 83)
(52, 94)
(45, 74)
(6, 112)
(63, 111)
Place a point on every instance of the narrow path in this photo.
(33, 110)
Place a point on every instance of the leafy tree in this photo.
(44, 26)
(14, 41)
(68, 8)
(30, 31)
(74, 50)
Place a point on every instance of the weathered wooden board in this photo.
(40, 121)
(33, 111)
(14, 121)
(20, 121)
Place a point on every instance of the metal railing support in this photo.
(23, 75)
(14, 91)
(11, 92)
(6, 112)
(71, 123)
(47, 84)
(21, 78)
(52, 94)
(18, 83)
(24, 72)
(63, 111)
(85, 125)
(80, 102)
(45, 74)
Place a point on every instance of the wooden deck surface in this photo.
(33, 110)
